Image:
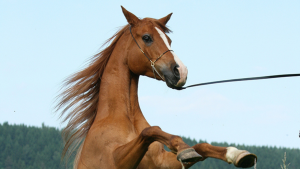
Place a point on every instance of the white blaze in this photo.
(182, 68)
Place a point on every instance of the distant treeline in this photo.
(23, 147)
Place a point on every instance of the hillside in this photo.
(23, 147)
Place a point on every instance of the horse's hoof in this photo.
(188, 155)
(245, 160)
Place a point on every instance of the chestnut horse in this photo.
(105, 122)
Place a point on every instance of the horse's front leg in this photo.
(240, 158)
(128, 156)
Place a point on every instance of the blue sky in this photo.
(42, 43)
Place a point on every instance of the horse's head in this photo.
(149, 51)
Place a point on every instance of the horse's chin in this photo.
(172, 84)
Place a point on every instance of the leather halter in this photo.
(208, 83)
(152, 62)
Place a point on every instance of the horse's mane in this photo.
(79, 99)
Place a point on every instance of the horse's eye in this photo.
(147, 39)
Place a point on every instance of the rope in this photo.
(181, 164)
(242, 79)
(208, 83)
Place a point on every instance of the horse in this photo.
(106, 128)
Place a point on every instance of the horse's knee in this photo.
(175, 141)
(148, 133)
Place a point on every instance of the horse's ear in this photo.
(165, 19)
(131, 18)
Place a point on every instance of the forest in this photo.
(27, 147)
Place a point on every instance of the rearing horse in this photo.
(101, 106)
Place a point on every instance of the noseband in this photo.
(208, 83)
(152, 62)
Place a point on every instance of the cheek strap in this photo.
(152, 62)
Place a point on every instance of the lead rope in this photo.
(152, 63)
(181, 164)
(242, 79)
(208, 83)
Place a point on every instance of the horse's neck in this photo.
(118, 98)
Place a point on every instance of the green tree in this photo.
(26, 147)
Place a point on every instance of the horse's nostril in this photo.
(176, 72)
